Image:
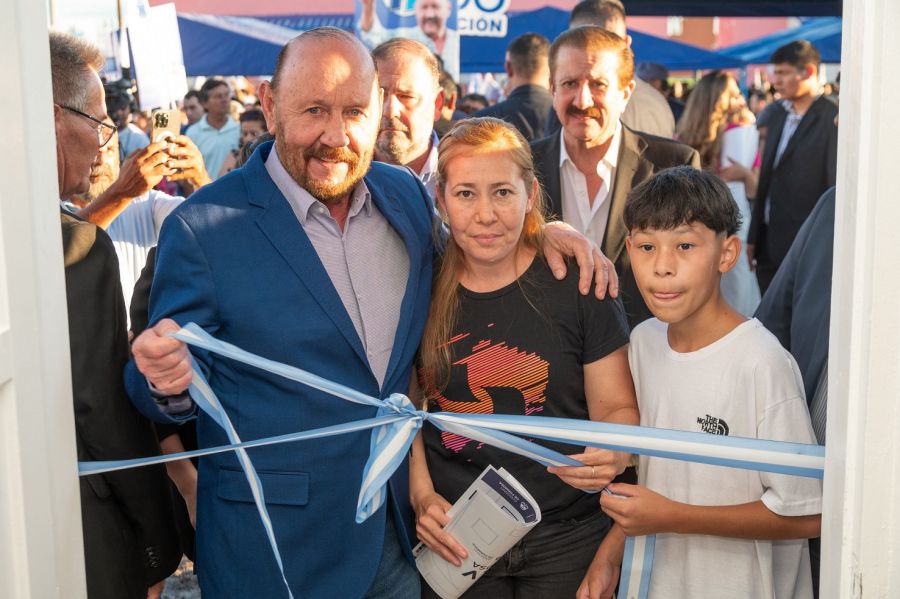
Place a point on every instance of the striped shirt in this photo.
(367, 261)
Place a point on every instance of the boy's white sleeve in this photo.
(785, 417)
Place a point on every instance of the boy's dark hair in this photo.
(248, 149)
(253, 114)
(682, 195)
(797, 54)
(192, 94)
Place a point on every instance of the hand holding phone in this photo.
(166, 125)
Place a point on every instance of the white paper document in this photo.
(492, 515)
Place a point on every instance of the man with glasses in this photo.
(80, 149)
(130, 545)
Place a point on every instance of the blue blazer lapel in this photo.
(391, 209)
(280, 225)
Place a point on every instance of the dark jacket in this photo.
(526, 108)
(640, 155)
(797, 305)
(129, 536)
(806, 170)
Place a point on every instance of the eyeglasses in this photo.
(105, 131)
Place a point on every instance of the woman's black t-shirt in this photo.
(521, 350)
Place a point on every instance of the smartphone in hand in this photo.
(166, 125)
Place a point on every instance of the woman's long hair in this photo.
(470, 137)
(705, 116)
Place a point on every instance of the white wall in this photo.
(861, 520)
(41, 553)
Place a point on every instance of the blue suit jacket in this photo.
(235, 260)
(797, 305)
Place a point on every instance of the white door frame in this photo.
(41, 554)
(861, 519)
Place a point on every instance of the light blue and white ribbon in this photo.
(397, 421)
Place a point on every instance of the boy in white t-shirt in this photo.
(701, 366)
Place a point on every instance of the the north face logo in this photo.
(713, 425)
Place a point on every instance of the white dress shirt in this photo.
(588, 217)
(367, 261)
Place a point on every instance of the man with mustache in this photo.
(647, 110)
(315, 256)
(589, 167)
(410, 76)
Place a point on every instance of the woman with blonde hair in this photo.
(504, 336)
(717, 123)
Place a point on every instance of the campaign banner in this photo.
(483, 18)
(432, 22)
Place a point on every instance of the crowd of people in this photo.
(589, 248)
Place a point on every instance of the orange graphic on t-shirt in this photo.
(497, 373)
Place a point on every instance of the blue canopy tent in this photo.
(486, 54)
(217, 45)
(735, 8)
(824, 33)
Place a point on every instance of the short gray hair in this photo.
(399, 45)
(71, 60)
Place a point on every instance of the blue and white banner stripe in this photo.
(397, 422)
(634, 583)
(780, 457)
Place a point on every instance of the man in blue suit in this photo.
(277, 258)
(309, 255)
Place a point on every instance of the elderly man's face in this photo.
(106, 168)
(78, 142)
(431, 16)
(412, 103)
(325, 116)
(587, 96)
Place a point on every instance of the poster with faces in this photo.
(435, 23)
